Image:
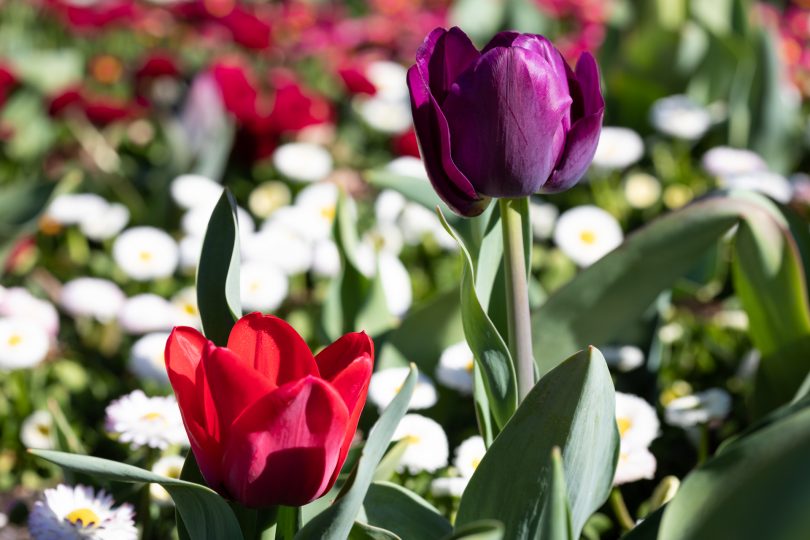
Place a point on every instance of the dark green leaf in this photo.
(404, 513)
(555, 521)
(484, 529)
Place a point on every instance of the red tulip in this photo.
(269, 424)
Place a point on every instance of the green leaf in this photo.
(337, 520)
(555, 521)
(364, 531)
(755, 488)
(388, 464)
(484, 529)
(489, 349)
(413, 188)
(647, 529)
(205, 514)
(218, 272)
(572, 407)
(404, 513)
(770, 282)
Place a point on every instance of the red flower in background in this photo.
(7, 83)
(248, 27)
(98, 110)
(269, 423)
(155, 67)
(93, 16)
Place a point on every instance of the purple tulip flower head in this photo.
(508, 121)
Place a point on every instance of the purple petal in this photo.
(588, 78)
(501, 39)
(443, 56)
(508, 118)
(433, 136)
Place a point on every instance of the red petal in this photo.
(272, 347)
(234, 385)
(285, 447)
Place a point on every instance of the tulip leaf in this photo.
(556, 517)
(404, 513)
(484, 529)
(364, 531)
(388, 464)
(205, 514)
(572, 408)
(732, 494)
(489, 349)
(218, 272)
(337, 520)
(413, 188)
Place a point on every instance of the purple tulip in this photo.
(508, 121)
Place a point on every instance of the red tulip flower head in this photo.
(269, 423)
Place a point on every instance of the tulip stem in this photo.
(517, 295)
(288, 522)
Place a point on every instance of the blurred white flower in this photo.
(388, 206)
(22, 344)
(17, 302)
(680, 117)
(623, 358)
(192, 191)
(427, 448)
(469, 455)
(170, 467)
(452, 486)
(195, 222)
(390, 116)
(700, 408)
(544, 218)
(642, 190)
(670, 332)
(325, 258)
(92, 297)
(416, 222)
(587, 233)
(774, 185)
(145, 253)
(190, 249)
(396, 282)
(455, 368)
(268, 197)
(618, 148)
(304, 162)
(635, 464)
(203, 118)
(37, 431)
(106, 223)
(408, 166)
(638, 423)
(145, 313)
(77, 512)
(146, 357)
(262, 286)
(389, 78)
(186, 309)
(386, 384)
(281, 246)
(726, 161)
(319, 202)
(72, 208)
(146, 421)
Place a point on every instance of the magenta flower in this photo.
(509, 121)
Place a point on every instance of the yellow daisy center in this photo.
(588, 237)
(152, 417)
(145, 256)
(328, 212)
(14, 340)
(470, 365)
(412, 439)
(624, 425)
(475, 463)
(189, 308)
(84, 515)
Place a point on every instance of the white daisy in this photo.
(701, 408)
(146, 357)
(587, 233)
(386, 384)
(624, 358)
(191, 191)
(384, 115)
(727, 161)
(72, 208)
(385, 237)
(146, 421)
(455, 368)
(618, 148)
(416, 222)
(146, 253)
(319, 201)
(389, 78)
(427, 448)
(92, 297)
(77, 512)
(634, 464)
(190, 248)
(543, 218)
(638, 423)
(388, 206)
(22, 344)
(281, 246)
(37, 431)
(187, 313)
(396, 282)
(325, 258)
(145, 313)
(642, 190)
(268, 197)
(304, 162)
(106, 223)
(195, 222)
(170, 467)
(774, 185)
(452, 486)
(262, 286)
(17, 302)
(408, 166)
(469, 455)
(680, 117)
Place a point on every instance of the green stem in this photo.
(517, 295)
(620, 510)
(288, 522)
(703, 444)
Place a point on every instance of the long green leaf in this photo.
(484, 529)
(572, 407)
(489, 349)
(337, 520)
(556, 518)
(205, 514)
(394, 508)
(218, 272)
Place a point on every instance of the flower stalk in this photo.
(517, 295)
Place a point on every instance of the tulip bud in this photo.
(508, 121)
